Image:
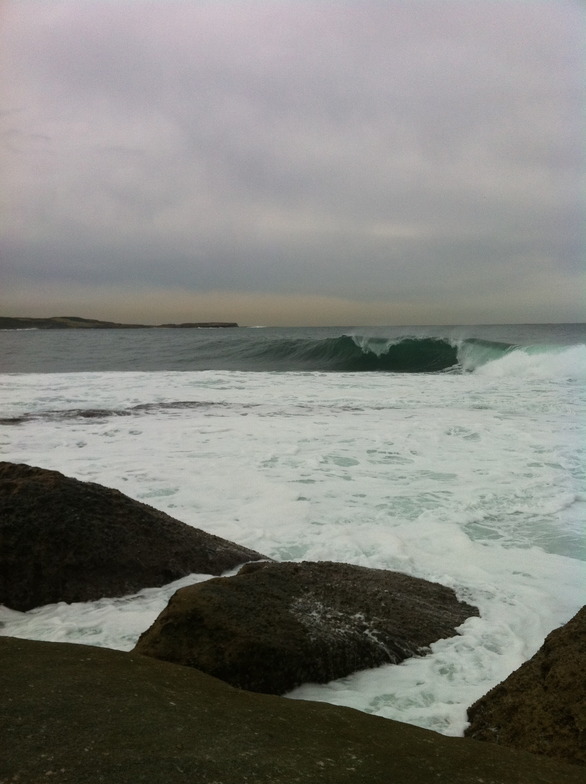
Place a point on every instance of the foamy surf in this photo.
(538, 362)
(472, 479)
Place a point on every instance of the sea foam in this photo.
(474, 480)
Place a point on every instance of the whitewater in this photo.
(463, 465)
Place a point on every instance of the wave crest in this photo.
(409, 354)
(356, 353)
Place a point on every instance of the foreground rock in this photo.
(275, 626)
(71, 541)
(541, 707)
(80, 715)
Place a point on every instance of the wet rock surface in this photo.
(541, 707)
(80, 715)
(274, 626)
(71, 541)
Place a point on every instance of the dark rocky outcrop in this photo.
(79, 715)
(274, 626)
(76, 322)
(541, 707)
(66, 540)
(61, 322)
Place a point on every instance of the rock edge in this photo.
(63, 540)
(275, 626)
(541, 707)
(81, 715)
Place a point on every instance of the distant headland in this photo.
(75, 322)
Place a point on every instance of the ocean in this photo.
(455, 454)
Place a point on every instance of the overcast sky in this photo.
(303, 162)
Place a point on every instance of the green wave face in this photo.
(354, 354)
(345, 354)
(358, 353)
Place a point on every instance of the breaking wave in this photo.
(359, 353)
(356, 354)
(319, 350)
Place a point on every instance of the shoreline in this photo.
(76, 322)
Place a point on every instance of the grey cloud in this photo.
(362, 150)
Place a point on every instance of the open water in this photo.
(453, 454)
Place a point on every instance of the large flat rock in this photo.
(79, 715)
(541, 707)
(62, 540)
(274, 626)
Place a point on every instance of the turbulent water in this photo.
(453, 454)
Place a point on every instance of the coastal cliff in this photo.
(76, 322)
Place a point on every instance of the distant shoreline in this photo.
(76, 322)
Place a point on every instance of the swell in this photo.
(273, 350)
(408, 354)
(352, 354)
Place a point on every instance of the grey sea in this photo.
(451, 453)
